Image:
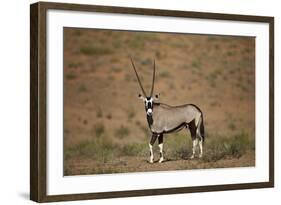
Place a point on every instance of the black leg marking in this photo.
(153, 139)
(160, 139)
(192, 129)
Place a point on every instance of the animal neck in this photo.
(149, 120)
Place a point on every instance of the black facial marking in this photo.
(149, 105)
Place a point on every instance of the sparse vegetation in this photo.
(214, 104)
(144, 129)
(82, 88)
(146, 61)
(99, 113)
(111, 78)
(77, 32)
(95, 49)
(221, 147)
(178, 146)
(134, 149)
(116, 69)
(109, 116)
(70, 76)
(216, 147)
(99, 130)
(230, 53)
(74, 65)
(127, 77)
(232, 126)
(101, 149)
(131, 113)
(122, 132)
(195, 64)
(165, 74)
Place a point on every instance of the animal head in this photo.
(147, 99)
(148, 103)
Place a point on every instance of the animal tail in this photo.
(202, 129)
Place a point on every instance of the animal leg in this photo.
(160, 144)
(201, 148)
(151, 143)
(200, 138)
(194, 145)
(192, 129)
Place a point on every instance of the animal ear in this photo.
(141, 97)
(157, 96)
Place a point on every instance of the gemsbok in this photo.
(163, 118)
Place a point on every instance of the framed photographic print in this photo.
(134, 102)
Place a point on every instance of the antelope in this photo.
(163, 119)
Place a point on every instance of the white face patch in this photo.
(148, 105)
(149, 111)
(148, 101)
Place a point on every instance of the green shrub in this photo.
(232, 126)
(134, 150)
(235, 146)
(82, 88)
(109, 116)
(131, 113)
(99, 113)
(101, 149)
(70, 76)
(99, 130)
(165, 74)
(95, 49)
(122, 132)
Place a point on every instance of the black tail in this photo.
(202, 129)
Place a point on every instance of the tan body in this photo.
(167, 118)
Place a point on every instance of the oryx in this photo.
(164, 119)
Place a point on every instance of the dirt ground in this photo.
(141, 164)
(105, 128)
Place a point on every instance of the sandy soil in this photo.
(141, 164)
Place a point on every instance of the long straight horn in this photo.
(153, 79)
(138, 77)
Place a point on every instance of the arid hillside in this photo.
(105, 128)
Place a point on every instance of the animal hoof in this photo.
(200, 156)
(192, 157)
(151, 161)
(161, 160)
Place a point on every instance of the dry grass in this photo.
(176, 148)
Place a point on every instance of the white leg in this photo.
(200, 140)
(194, 144)
(151, 153)
(161, 153)
(201, 148)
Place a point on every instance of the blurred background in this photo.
(105, 128)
